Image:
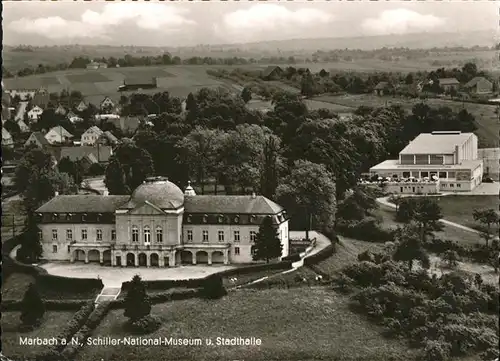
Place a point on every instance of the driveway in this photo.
(115, 276)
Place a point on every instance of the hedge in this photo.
(52, 305)
(79, 319)
(320, 256)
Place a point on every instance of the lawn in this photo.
(448, 233)
(51, 326)
(87, 78)
(459, 209)
(298, 324)
(13, 218)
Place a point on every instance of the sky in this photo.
(191, 23)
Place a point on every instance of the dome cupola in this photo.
(158, 191)
(189, 191)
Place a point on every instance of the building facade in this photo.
(491, 162)
(451, 158)
(158, 226)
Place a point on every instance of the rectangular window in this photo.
(442, 174)
(54, 234)
(406, 174)
(190, 235)
(69, 234)
(221, 236)
(459, 185)
(236, 236)
(437, 159)
(253, 235)
(236, 251)
(424, 174)
(84, 234)
(54, 249)
(205, 236)
(421, 159)
(451, 175)
(40, 235)
(452, 185)
(113, 234)
(99, 234)
(407, 158)
(69, 249)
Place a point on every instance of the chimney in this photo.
(253, 195)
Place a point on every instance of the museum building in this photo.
(158, 225)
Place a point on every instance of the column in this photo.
(226, 256)
(86, 257)
(161, 260)
(193, 253)
(72, 256)
(209, 258)
(124, 260)
(101, 257)
(136, 257)
(171, 259)
(148, 260)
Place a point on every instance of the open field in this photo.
(13, 217)
(486, 119)
(311, 105)
(52, 324)
(96, 84)
(14, 287)
(297, 324)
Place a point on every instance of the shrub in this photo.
(213, 288)
(145, 325)
(78, 320)
(32, 307)
(137, 303)
(436, 351)
(98, 315)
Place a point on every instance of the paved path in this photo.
(384, 201)
(321, 242)
(108, 294)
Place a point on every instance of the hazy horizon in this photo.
(232, 23)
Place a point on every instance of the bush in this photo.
(145, 325)
(213, 288)
(98, 315)
(436, 351)
(320, 256)
(292, 258)
(367, 229)
(78, 320)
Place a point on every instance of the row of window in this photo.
(427, 174)
(147, 234)
(221, 218)
(84, 234)
(220, 234)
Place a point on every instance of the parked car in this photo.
(488, 180)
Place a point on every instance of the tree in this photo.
(74, 169)
(487, 217)
(357, 205)
(308, 194)
(32, 307)
(267, 242)
(213, 288)
(409, 79)
(424, 211)
(409, 247)
(246, 94)
(451, 258)
(128, 167)
(137, 303)
(271, 167)
(307, 85)
(12, 127)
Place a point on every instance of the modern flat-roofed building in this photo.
(450, 157)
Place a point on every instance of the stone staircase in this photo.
(108, 294)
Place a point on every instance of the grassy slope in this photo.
(52, 325)
(459, 209)
(299, 324)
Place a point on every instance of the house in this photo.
(23, 127)
(41, 98)
(126, 124)
(479, 85)
(61, 110)
(37, 139)
(91, 135)
(92, 65)
(445, 161)
(58, 135)
(106, 104)
(272, 72)
(108, 138)
(158, 225)
(448, 83)
(100, 153)
(138, 83)
(81, 106)
(7, 140)
(34, 113)
(24, 94)
(383, 88)
(491, 161)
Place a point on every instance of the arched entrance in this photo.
(154, 260)
(106, 257)
(186, 257)
(217, 257)
(94, 255)
(202, 257)
(166, 261)
(130, 259)
(79, 255)
(143, 260)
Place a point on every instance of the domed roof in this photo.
(159, 192)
